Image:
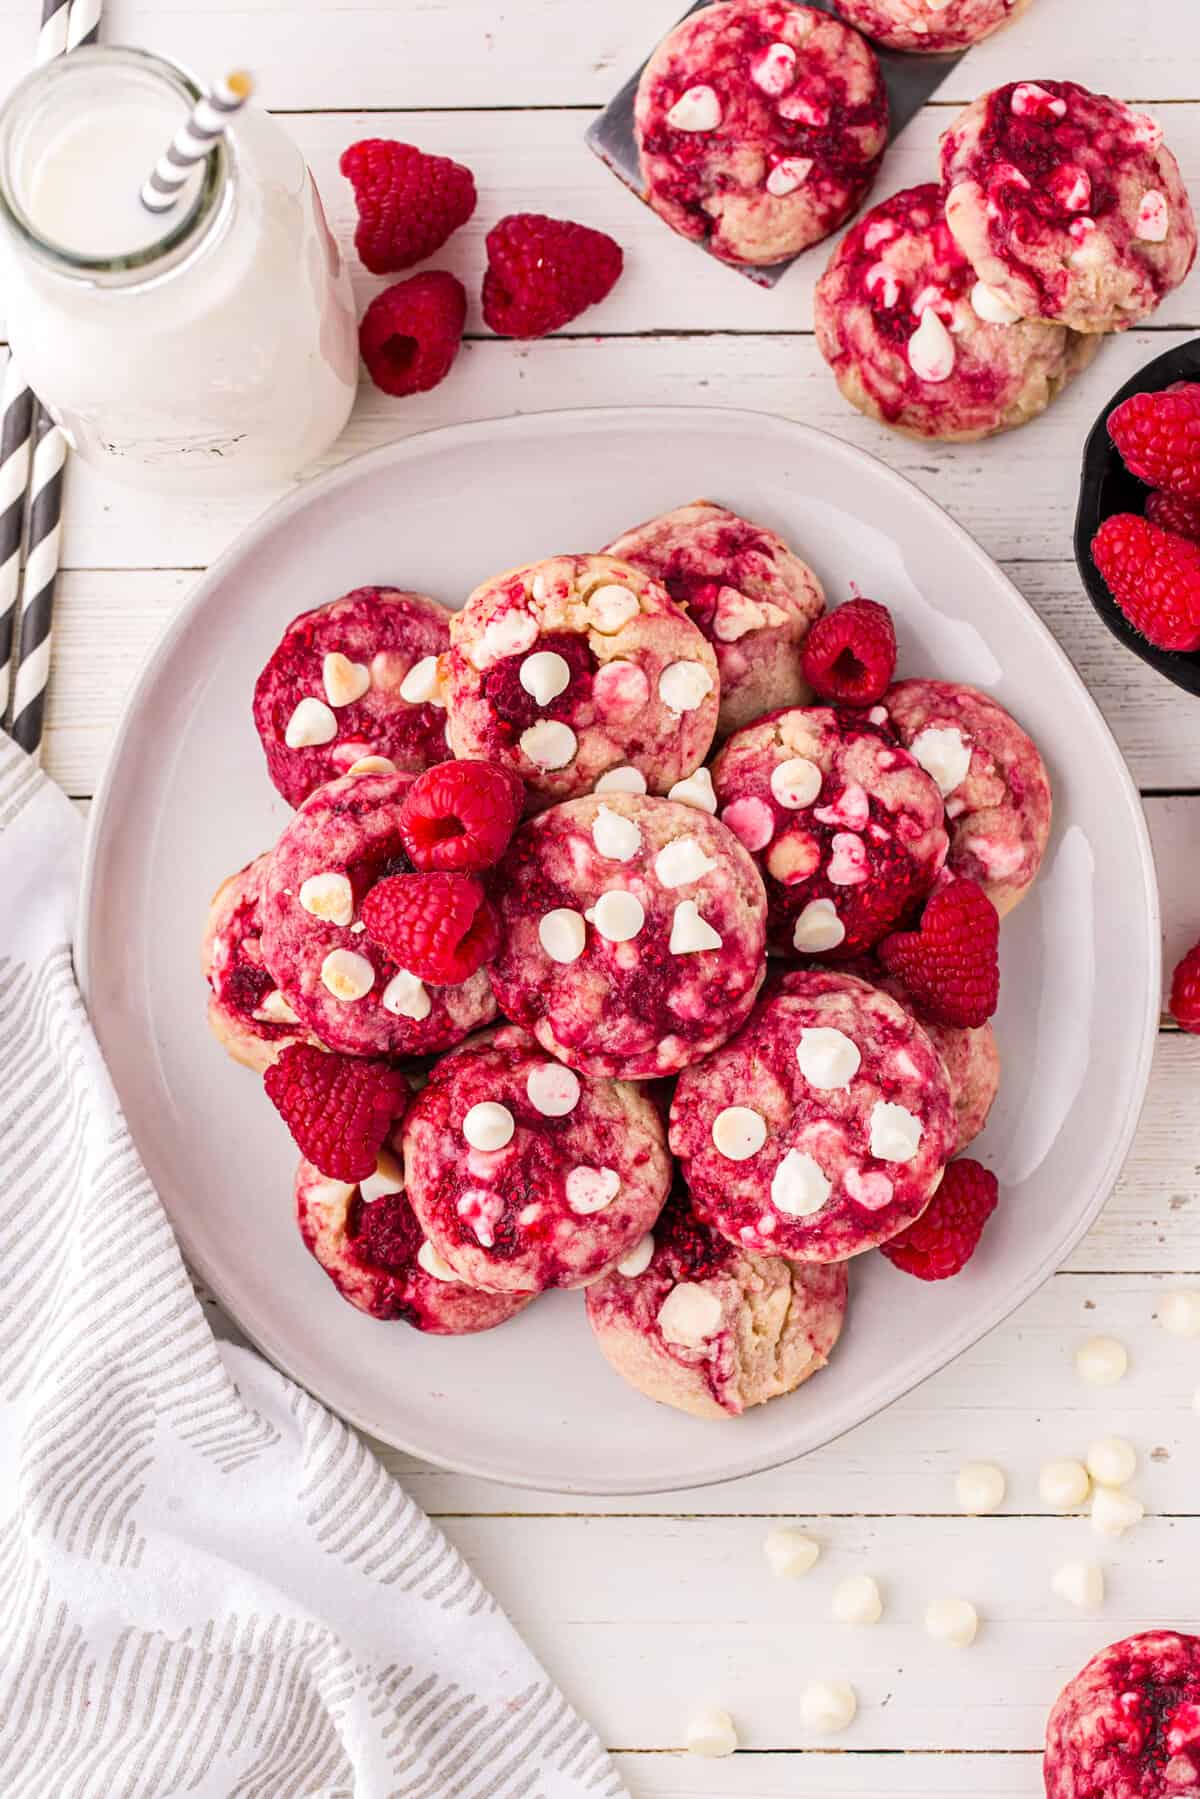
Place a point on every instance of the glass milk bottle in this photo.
(211, 349)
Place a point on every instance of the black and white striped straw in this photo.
(207, 124)
(16, 454)
(43, 532)
(83, 24)
(53, 35)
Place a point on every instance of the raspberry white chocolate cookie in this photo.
(847, 829)
(823, 1128)
(693, 1321)
(930, 26)
(373, 1250)
(356, 678)
(971, 1058)
(760, 126)
(993, 781)
(247, 1014)
(917, 342)
(749, 593)
(632, 934)
(565, 669)
(1128, 1726)
(1068, 204)
(525, 1175)
(344, 988)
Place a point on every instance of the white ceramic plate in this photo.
(187, 800)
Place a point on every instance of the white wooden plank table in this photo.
(643, 1607)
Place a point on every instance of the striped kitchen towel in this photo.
(207, 1583)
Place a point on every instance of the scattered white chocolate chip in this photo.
(1179, 1313)
(387, 1178)
(545, 675)
(405, 997)
(773, 70)
(1114, 1511)
(789, 173)
(789, 1552)
(347, 975)
(421, 686)
(981, 1487)
(796, 783)
(944, 754)
(507, 635)
(344, 681)
(488, 1125)
(689, 1315)
(549, 743)
(711, 1733)
(611, 607)
(682, 862)
(562, 934)
(818, 928)
(827, 1706)
(635, 1261)
(683, 686)
(739, 1132)
(372, 765)
(273, 1008)
(1112, 1461)
(1152, 219)
(434, 1265)
(895, 1132)
(328, 896)
(697, 109)
(592, 1189)
(616, 837)
(857, 1600)
(799, 1186)
(1063, 1485)
(621, 780)
(552, 1089)
(989, 304)
(311, 723)
(827, 1058)
(618, 915)
(1101, 1361)
(1081, 1584)
(931, 349)
(952, 1621)
(691, 933)
(696, 790)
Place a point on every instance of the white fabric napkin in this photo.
(207, 1583)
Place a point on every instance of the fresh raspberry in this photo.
(946, 1235)
(542, 273)
(408, 203)
(1154, 576)
(459, 816)
(849, 656)
(1158, 436)
(441, 927)
(1185, 992)
(410, 333)
(339, 1109)
(1173, 513)
(951, 963)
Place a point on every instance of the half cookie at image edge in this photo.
(1129, 1723)
(929, 26)
(247, 1014)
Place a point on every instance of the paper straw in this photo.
(52, 38)
(209, 120)
(16, 455)
(43, 540)
(83, 23)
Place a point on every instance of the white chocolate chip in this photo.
(827, 1058)
(695, 790)
(311, 723)
(592, 1189)
(773, 70)
(1081, 1584)
(621, 780)
(435, 1266)
(931, 349)
(1114, 1511)
(344, 681)
(827, 1707)
(848, 865)
(1101, 1361)
(273, 1008)
(328, 896)
(799, 1186)
(690, 932)
(618, 915)
(1179, 1313)
(895, 1132)
(636, 1260)
(1153, 220)
(421, 686)
(1112, 1461)
(405, 997)
(682, 862)
(488, 1125)
(989, 304)
(697, 109)
(818, 928)
(789, 1552)
(857, 1600)
(683, 686)
(508, 635)
(944, 754)
(798, 107)
(1029, 98)
(552, 1089)
(981, 1487)
(689, 1315)
(549, 743)
(711, 1733)
(796, 783)
(562, 934)
(882, 285)
(1063, 1485)
(789, 173)
(545, 675)
(616, 837)
(482, 1211)
(611, 607)
(736, 615)
(952, 1621)
(739, 1132)
(387, 1178)
(347, 975)
(372, 765)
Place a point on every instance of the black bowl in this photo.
(1106, 486)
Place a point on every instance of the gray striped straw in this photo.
(43, 532)
(207, 124)
(16, 453)
(53, 35)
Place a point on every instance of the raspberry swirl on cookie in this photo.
(1129, 1724)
